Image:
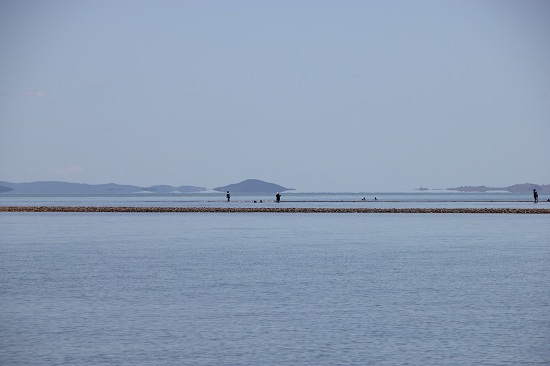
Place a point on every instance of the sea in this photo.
(238, 288)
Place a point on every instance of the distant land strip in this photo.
(272, 210)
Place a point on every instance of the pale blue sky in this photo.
(315, 95)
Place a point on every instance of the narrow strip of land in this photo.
(272, 210)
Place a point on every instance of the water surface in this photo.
(274, 289)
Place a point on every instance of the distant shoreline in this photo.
(92, 209)
(248, 186)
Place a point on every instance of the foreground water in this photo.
(274, 289)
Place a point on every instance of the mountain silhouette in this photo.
(253, 186)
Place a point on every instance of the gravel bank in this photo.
(273, 210)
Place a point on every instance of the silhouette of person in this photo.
(228, 196)
(535, 195)
(278, 197)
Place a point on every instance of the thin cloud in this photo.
(33, 93)
(27, 94)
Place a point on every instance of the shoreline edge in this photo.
(133, 209)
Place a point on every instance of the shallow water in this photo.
(435, 199)
(273, 289)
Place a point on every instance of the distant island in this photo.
(516, 188)
(247, 186)
(253, 186)
(422, 189)
(80, 188)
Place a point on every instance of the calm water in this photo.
(274, 289)
(290, 199)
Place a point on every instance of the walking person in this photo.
(535, 195)
(228, 196)
(278, 197)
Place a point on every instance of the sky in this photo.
(318, 95)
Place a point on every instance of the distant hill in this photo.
(5, 189)
(79, 188)
(516, 188)
(253, 186)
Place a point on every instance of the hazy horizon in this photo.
(288, 189)
(323, 96)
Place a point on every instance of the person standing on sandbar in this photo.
(278, 197)
(228, 196)
(535, 195)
